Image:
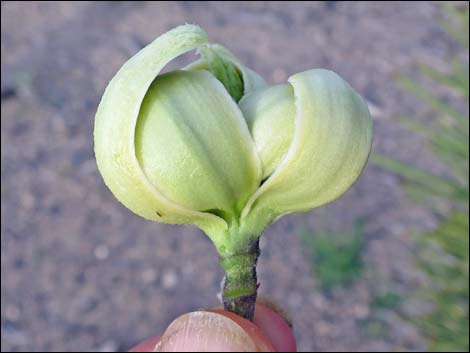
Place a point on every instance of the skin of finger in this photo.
(270, 331)
(256, 334)
(146, 346)
(276, 328)
(208, 331)
(272, 325)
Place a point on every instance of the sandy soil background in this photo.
(81, 272)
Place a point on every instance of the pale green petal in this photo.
(251, 80)
(115, 126)
(270, 115)
(332, 140)
(225, 71)
(193, 143)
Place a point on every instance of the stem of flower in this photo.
(240, 283)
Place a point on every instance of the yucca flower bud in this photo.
(214, 146)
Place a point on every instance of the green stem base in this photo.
(240, 284)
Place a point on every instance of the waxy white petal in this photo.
(270, 115)
(194, 145)
(331, 144)
(115, 124)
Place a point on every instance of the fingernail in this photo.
(203, 331)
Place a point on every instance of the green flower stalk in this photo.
(213, 145)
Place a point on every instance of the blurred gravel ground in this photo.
(79, 272)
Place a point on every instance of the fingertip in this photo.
(275, 326)
(146, 346)
(256, 334)
(219, 330)
(212, 331)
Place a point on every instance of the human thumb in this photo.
(205, 331)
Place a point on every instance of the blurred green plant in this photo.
(447, 326)
(388, 300)
(336, 258)
(374, 328)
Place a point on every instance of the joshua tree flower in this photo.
(214, 146)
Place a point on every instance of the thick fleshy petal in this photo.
(115, 127)
(270, 115)
(331, 144)
(225, 71)
(251, 80)
(194, 145)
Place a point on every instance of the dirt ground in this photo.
(79, 272)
